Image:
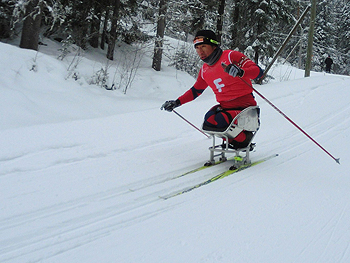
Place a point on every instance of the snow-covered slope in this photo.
(82, 169)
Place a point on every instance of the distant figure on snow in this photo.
(328, 63)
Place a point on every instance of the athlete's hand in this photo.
(233, 70)
(170, 105)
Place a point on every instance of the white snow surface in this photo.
(82, 169)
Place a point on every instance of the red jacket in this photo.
(230, 91)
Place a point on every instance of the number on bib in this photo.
(218, 85)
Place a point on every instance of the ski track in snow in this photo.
(54, 229)
(330, 227)
(118, 208)
(30, 161)
(34, 160)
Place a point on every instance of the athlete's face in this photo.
(204, 50)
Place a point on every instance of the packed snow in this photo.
(82, 168)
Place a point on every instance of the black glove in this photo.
(170, 105)
(234, 70)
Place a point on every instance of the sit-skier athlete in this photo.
(222, 71)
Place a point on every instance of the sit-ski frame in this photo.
(246, 120)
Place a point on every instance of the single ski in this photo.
(217, 177)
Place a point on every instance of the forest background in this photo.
(254, 27)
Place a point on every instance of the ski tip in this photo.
(337, 160)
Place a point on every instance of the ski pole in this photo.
(190, 123)
(292, 122)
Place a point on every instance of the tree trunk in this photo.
(113, 35)
(158, 49)
(95, 26)
(31, 26)
(220, 20)
(256, 55)
(104, 31)
(300, 41)
(235, 32)
(311, 39)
